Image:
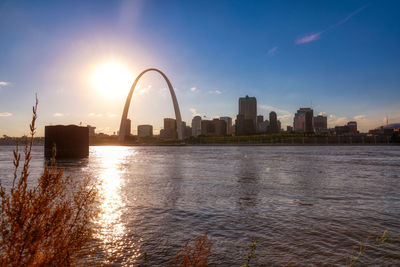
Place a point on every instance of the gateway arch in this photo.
(122, 127)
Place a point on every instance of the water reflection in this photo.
(112, 229)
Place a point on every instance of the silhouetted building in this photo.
(228, 121)
(91, 131)
(273, 123)
(246, 120)
(352, 127)
(213, 127)
(145, 130)
(303, 120)
(68, 141)
(128, 127)
(187, 132)
(196, 126)
(260, 119)
(320, 124)
(170, 129)
(289, 129)
(262, 127)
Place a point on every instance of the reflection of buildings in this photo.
(196, 126)
(320, 124)
(303, 121)
(228, 121)
(215, 127)
(246, 120)
(170, 129)
(145, 130)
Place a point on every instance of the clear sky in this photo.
(340, 57)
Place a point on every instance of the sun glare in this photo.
(112, 79)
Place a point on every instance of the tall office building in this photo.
(170, 129)
(246, 121)
(228, 121)
(196, 126)
(303, 120)
(128, 127)
(213, 127)
(145, 130)
(352, 127)
(273, 123)
(320, 124)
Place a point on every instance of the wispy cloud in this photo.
(92, 114)
(4, 84)
(5, 114)
(194, 112)
(309, 38)
(193, 89)
(216, 92)
(315, 36)
(359, 117)
(272, 51)
(58, 114)
(111, 115)
(334, 120)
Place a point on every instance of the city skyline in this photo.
(339, 58)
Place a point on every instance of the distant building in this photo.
(279, 126)
(215, 127)
(170, 129)
(352, 127)
(303, 120)
(260, 119)
(91, 131)
(246, 120)
(145, 130)
(320, 124)
(187, 131)
(262, 127)
(289, 129)
(196, 126)
(228, 121)
(128, 127)
(273, 123)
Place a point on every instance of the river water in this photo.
(305, 205)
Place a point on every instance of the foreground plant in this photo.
(193, 257)
(48, 224)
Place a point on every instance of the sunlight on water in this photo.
(112, 228)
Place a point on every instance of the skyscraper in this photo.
(273, 123)
(170, 129)
(303, 120)
(320, 124)
(196, 126)
(228, 121)
(246, 121)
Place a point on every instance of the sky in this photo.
(341, 58)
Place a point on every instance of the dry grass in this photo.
(193, 257)
(48, 224)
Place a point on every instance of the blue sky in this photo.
(341, 57)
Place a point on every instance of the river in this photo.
(305, 205)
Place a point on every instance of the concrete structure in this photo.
(187, 131)
(91, 131)
(145, 130)
(273, 123)
(196, 126)
(228, 121)
(69, 141)
(122, 127)
(303, 121)
(246, 120)
(320, 124)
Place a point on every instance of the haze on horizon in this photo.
(81, 57)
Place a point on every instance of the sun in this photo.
(112, 79)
